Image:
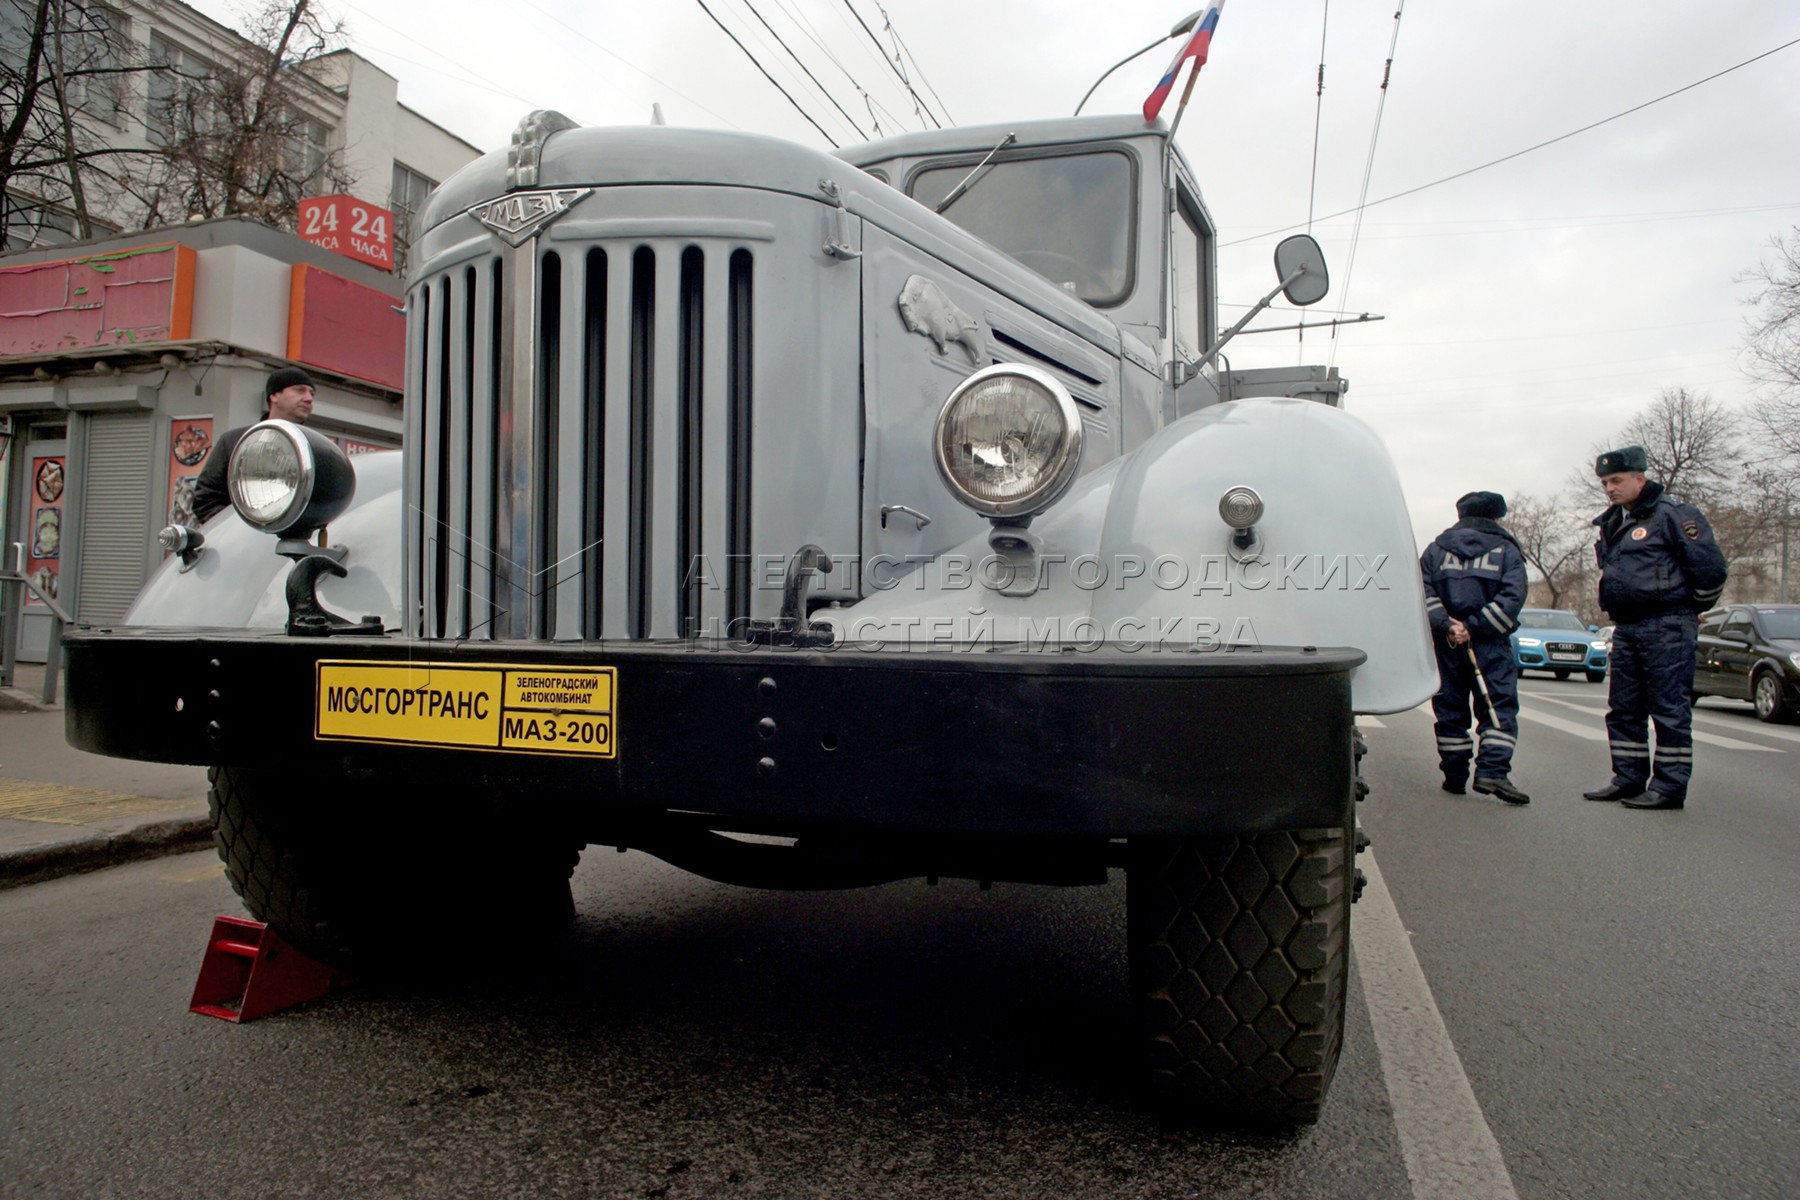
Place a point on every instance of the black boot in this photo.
(1503, 788)
(1656, 800)
(1613, 791)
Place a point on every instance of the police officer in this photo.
(1659, 568)
(287, 396)
(1474, 587)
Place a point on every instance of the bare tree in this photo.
(65, 72)
(1692, 442)
(236, 133)
(1772, 344)
(1556, 540)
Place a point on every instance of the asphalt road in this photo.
(1615, 988)
(1619, 984)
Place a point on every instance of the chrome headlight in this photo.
(1008, 441)
(286, 479)
(1531, 641)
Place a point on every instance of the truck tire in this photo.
(1240, 953)
(349, 876)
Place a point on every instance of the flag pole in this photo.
(1169, 187)
(1193, 74)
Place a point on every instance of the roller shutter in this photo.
(114, 516)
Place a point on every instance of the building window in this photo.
(87, 42)
(33, 221)
(177, 102)
(93, 57)
(407, 198)
(303, 156)
(30, 222)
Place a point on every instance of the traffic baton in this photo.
(1481, 682)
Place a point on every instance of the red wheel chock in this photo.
(250, 972)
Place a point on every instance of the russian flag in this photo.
(1195, 48)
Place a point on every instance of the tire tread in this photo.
(1235, 1024)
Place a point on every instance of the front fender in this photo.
(239, 581)
(1137, 555)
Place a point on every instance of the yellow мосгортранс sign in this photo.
(508, 707)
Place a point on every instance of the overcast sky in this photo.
(1531, 308)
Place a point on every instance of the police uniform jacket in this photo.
(1475, 573)
(1658, 556)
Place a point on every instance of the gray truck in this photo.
(812, 522)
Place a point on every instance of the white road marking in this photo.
(1758, 730)
(1368, 722)
(1711, 739)
(1591, 732)
(1450, 1152)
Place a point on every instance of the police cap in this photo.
(1630, 458)
(1491, 505)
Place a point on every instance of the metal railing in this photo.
(13, 588)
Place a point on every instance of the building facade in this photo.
(134, 60)
(124, 356)
(123, 360)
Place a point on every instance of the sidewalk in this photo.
(63, 810)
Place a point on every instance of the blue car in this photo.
(1552, 639)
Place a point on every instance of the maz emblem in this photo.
(520, 215)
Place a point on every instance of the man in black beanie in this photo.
(1659, 569)
(1474, 588)
(287, 396)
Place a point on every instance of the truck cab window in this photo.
(1069, 217)
(1187, 281)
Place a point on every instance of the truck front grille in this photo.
(580, 422)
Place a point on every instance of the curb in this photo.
(153, 840)
(17, 699)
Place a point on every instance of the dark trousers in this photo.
(1653, 679)
(1459, 694)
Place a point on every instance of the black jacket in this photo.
(1474, 572)
(1656, 557)
(210, 494)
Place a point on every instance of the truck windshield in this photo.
(1069, 217)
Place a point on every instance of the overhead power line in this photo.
(815, 79)
(1527, 150)
(816, 38)
(772, 80)
(1312, 186)
(919, 104)
(901, 46)
(1387, 71)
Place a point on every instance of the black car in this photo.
(1751, 652)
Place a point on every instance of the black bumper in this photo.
(1009, 743)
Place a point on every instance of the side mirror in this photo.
(1300, 271)
(1593, 629)
(1300, 265)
